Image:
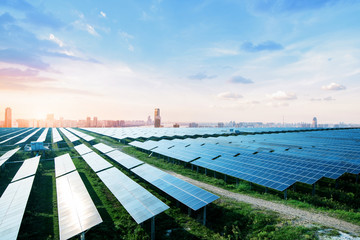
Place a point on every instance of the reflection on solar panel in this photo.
(12, 131)
(63, 165)
(12, 207)
(8, 139)
(28, 136)
(84, 136)
(7, 155)
(140, 204)
(43, 135)
(69, 135)
(77, 212)
(123, 159)
(56, 135)
(103, 148)
(96, 162)
(82, 149)
(186, 193)
(27, 169)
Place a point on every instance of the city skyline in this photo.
(210, 61)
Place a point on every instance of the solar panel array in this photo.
(82, 149)
(13, 201)
(15, 136)
(56, 135)
(7, 155)
(28, 136)
(186, 193)
(43, 135)
(123, 159)
(28, 168)
(276, 161)
(69, 135)
(76, 210)
(137, 201)
(63, 165)
(82, 135)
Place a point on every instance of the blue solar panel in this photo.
(186, 193)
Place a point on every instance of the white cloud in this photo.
(330, 98)
(90, 29)
(280, 95)
(56, 40)
(126, 35)
(334, 87)
(218, 52)
(131, 48)
(229, 95)
(103, 14)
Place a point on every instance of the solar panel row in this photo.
(13, 201)
(15, 136)
(82, 135)
(7, 155)
(69, 135)
(43, 135)
(56, 135)
(28, 136)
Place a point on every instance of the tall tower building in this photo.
(95, 122)
(314, 123)
(88, 122)
(8, 119)
(157, 118)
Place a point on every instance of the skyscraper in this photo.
(157, 118)
(95, 122)
(8, 119)
(88, 122)
(314, 123)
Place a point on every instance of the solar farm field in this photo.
(121, 184)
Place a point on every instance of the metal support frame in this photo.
(192, 167)
(189, 211)
(225, 178)
(205, 171)
(197, 168)
(266, 190)
(153, 228)
(313, 189)
(214, 174)
(237, 182)
(294, 187)
(82, 236)
(285, 194)
(357, 178)
(336, 183)
(204, 216)
(250, 185)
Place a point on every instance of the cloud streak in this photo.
(283, 96)
(201, 76)
(229, 96)
(334, 87)
(264, 46)
(241, 80)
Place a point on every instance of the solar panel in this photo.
(12, 207)
(69, 135)
(84, 136)
(76, 210)
(63, 165)
(27, 169)
(186, 193)
(28, 136)
(137, 201)
(7, 155)
(8, 139)
(96, 162)
(43, 135)
(103, 148)
(123, 159)
(82, 149)
(56, 135)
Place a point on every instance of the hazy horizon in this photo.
(209, 61)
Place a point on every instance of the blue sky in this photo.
(202, 61)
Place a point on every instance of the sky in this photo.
(201, 61)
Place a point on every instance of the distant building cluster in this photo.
(51, 121)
